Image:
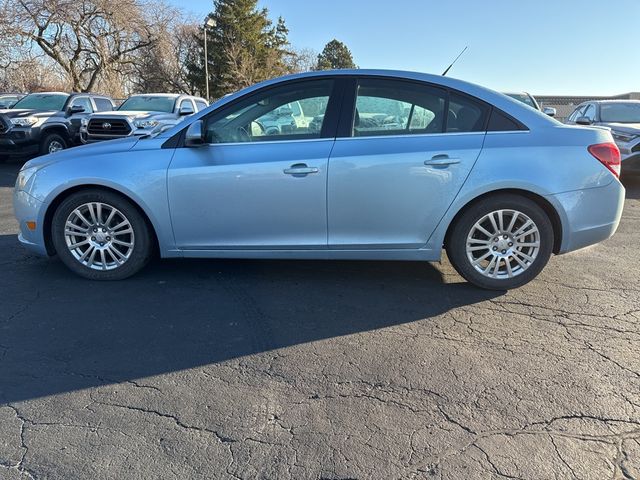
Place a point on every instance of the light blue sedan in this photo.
(385, 165)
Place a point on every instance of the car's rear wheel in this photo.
(52, 143)
(501, 242)
(101, 235)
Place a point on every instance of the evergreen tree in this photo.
(243, 48)
(335, 55)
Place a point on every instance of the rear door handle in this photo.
(300, 169)
(441, 161)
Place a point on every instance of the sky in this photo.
(544, 47)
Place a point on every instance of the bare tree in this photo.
(162, 66)
(87, 39)
(303, 60)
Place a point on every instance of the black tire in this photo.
(142, 245)
(51, 139)
(456, 245)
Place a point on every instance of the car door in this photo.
(402, 164)
(246, 189)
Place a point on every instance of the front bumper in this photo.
(29, 209)
(590, 216)
(18, 142)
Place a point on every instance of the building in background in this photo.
(565, 105)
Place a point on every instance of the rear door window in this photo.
(103, 104)
(466, 114)
(396, 107)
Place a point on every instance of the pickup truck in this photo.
(141, 114)
(41, 123)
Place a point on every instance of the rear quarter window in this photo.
(501, 122)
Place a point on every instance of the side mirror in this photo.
(549, 111)
(75, 109)
(194, 137)
(583, 121)
(186, 110)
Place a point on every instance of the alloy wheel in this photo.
(55, 146)
(99, 236)
(503, 244)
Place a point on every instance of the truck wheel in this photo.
(52, 143)
(501, 242)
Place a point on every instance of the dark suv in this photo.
(42, 123)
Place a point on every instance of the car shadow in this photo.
(60, 333)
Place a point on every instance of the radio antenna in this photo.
(444, 74)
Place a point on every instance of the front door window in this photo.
(292, 112)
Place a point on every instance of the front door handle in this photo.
(300, 169)
(441, 161)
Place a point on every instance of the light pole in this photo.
(208, 22)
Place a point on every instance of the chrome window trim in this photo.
(510, 132)
(413, 135)
(271, 142)
(370, 137)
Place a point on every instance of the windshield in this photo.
(148, 104)
(524, 98)
(620, 112)
(43, 101)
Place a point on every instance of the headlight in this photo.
(145, 123)
(84, 122)
(24, 121)
(624, 136)
(24, 176)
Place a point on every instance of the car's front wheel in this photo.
(100, 235)
(501, 242)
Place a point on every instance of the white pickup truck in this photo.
(140, 115)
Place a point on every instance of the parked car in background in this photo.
(530, 100)
(388, 175)
(141, 115)
(41, 123)
(622, 117)
(7, 100)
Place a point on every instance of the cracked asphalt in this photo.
(320, 370)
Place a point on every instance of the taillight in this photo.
(608, 154)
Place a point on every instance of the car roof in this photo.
(167, 95)
(601, 102)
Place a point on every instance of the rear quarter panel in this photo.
(545, 161)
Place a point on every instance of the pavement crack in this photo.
(23, 445)
(218, 436)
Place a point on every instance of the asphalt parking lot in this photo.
(320, 370)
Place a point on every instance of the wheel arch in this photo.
(61, 196)
(58, 128)
(542, 202)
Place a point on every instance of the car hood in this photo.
(88, 152)
(130, 114)
(633, 128)
(20, 113)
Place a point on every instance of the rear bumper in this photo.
(590, 216)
